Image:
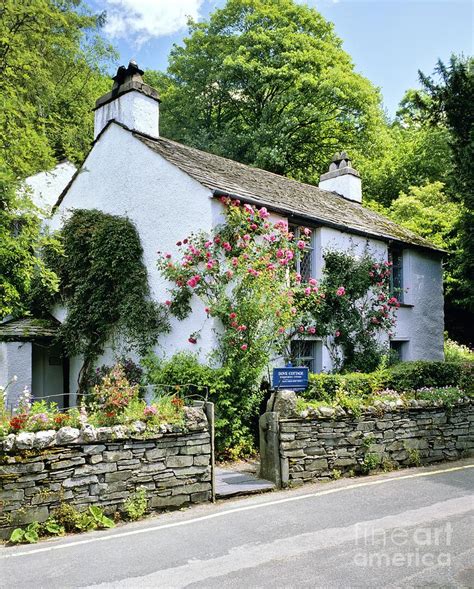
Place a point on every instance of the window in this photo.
(303, 353)
(396, 279)
(304, 259)
(399, 349)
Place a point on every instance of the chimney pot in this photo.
(130, 102)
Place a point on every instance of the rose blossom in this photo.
(341, 291)
(244, 347)
(301, 244)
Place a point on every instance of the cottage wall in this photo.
(121, 176)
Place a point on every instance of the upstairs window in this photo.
(304, 258)
(307, 353)
(395, 256)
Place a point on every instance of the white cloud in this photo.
(141, 20)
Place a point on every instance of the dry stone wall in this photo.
(40, 470)
(330, 446)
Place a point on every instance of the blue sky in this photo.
(388, 40)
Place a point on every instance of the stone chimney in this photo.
(130, 102)
(342, 178)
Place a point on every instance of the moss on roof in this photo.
(29, 329)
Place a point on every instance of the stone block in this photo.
(203, 460)
(98, 468)
(155, 454)
(70, 483)
(67, 463)
(121, 475)
(179, 461)
(318, 464)
(115, 456)
(164, 502)
(93, 449)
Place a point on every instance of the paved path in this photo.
(404, 529)
(231, 483)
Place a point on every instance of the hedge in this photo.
(402, 377)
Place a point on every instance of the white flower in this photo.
(15, 378)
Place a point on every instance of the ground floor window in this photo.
(399, 349)
(307, 353)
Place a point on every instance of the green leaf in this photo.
(17, 536)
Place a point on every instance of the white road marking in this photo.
(227, 512)
(256, 554)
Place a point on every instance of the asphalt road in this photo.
(404, 529)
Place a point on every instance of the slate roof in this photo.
(280, 194)
(28, 329)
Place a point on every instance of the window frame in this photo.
(397, 272)
(308, 249)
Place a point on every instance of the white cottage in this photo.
(169, 190)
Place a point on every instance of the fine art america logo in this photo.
(401, 547)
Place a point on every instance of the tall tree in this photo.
(51, 67)
(266, 82)
(447, 98)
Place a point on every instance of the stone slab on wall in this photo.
(312, 449)
(175, 468)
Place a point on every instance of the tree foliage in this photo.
(268, 84)
(51, 65)
(447, 98)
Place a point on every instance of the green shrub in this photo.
(136, 505)
(410, 376)
(454, 352)
(402, 377)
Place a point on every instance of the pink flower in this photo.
(226, 245)
(263, 213)
(271, 267)
(281, 330)
(210, 264)
(293, 310)
(242, 328)
(337, 334)
(192, 282)
(289, 255)
(248, 209)
(167, 256)
(229, 273)
(208, 244)
(234, 261)
(381, 297)
(192, 340)
(280, 253)
(168, 303)
(298, 278)
(301, 244)
(207, 310)
(149, 410)
(253, 226)
(307, 231)
(341, 291)
(244, 347)
(312, 330)
(307, 290)
(233, 315)
(313, 281)
(301, 328)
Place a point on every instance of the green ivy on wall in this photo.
(104, 286)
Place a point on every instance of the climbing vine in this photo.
(104, 285)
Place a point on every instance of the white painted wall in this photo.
(15, 360)
(134, 109)
(122, 176)
(46, 187)
(422, 323)
(47, 374)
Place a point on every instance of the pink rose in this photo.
(253, 226)
(307, 290)
(341, 291)
(313, 281)
(263, 213)
(244, 347)
(312, 330)
(301, 244)
(337, 334)
(167, 303)
(192, 340)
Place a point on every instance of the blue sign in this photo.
(291, 378)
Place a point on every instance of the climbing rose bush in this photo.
(244, 274)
